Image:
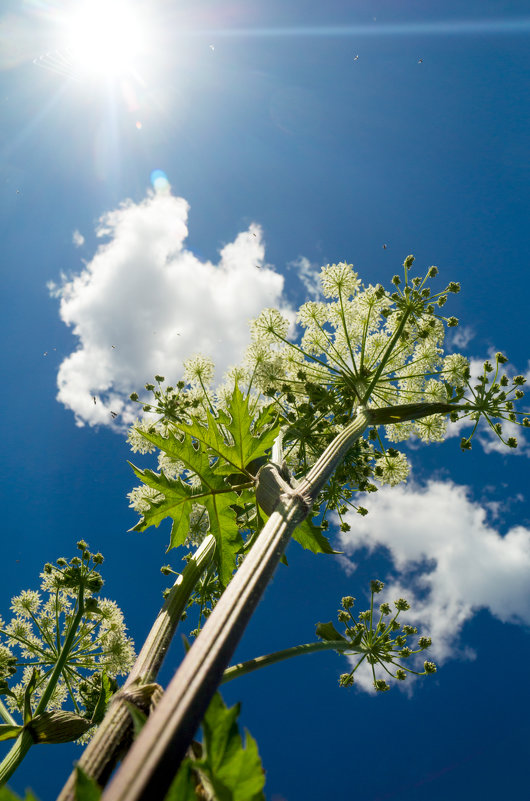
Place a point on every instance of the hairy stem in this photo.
(15, 755)
(155, 756)
(241, 669)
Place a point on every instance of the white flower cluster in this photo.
(35, 639)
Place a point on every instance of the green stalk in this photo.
(241, 669)
(155, 756)
(15, 755)
(112, 735)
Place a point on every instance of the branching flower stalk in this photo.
(375, 643)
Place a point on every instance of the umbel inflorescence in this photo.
(361, 348)
(380, 639)
(67, 644)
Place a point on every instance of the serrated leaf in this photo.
(251, 439)
(214, 493)
(234, 772)
(328, 632)
(310, 537)
(8, 795)
(86, 788)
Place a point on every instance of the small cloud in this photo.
(78, 239)
(309, 275)
(462, 336)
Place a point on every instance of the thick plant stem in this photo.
(154, 758)
(241, 669)
(15, 755)
(115, 732)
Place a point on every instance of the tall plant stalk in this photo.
(154, 758)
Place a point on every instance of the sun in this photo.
(105, 37)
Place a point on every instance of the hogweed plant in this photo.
(66, 647)
(293, 439)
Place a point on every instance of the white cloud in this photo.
(448, 560)
(144, 303)
(78, 239)
(462, 336)
(309, 276)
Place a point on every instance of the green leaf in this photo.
(86, 788)
(108, 688)
(214, 493)
(234, 772)
(8, 795)
(183, 786)
(28, 692)
(328, 632)
(9, 732)
(139, 718)
(310, 537)
(249, 438)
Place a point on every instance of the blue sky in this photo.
(282, 149)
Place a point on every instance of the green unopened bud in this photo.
(401, 675)
(452, 322)
(402, 604)
(405, 652)
(385, 609)
(346, 680)
(424, 642)
(159, 378)
(465, 444)
(432, 271)
(133, 396)
(57, 727)
(362, 511)
(511, 442)
(519, 380)
(376, 585)
(343, 616)
(381, 686)
(348, 601)
(429, 667)
(454, 287)
(408, 262)
(501, 358)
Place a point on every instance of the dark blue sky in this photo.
(420, 144)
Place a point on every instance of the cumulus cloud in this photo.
(449, 561)
(145, 302)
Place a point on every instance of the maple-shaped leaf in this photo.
(213, 492)
(237, 436)
(234, 771)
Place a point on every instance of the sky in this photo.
(163, 181)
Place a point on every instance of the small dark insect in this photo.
(114, 415)
(113, 346)
(356, 58)
(420, 61)
(384, 247)
(94, 399)
(45, 353)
